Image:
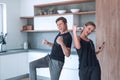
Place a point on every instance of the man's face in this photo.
(61, 26)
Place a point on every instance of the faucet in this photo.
(2, 42)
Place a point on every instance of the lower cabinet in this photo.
(69, 74)
(13, 65)
(70, 68)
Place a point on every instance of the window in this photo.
(3, 21)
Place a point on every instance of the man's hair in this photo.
(61, 18)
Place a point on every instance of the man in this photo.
(60, 48)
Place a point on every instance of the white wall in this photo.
(15, 38)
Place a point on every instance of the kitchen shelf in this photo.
(62, 3)
(77, 13)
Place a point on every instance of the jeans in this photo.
(55, 67)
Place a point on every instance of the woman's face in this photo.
(88, 30)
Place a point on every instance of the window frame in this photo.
(4, 18)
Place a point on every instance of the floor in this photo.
(25, 79)
(39, 78)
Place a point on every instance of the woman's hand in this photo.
(74, 28)
(101, 48)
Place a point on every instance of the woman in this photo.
(89, 68)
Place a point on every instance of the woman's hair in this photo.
(90, 23)
(61, 18)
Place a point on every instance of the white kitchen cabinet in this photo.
(70, 68)
(27, 8)
(49, 22)
(71, 62)
(38, 2)
(13, 65)
(69, 74)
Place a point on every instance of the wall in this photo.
(108, 29)
(15, 38)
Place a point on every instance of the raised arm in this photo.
(47, 43)
(76, 39)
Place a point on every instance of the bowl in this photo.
(61, 11)
(74, 10)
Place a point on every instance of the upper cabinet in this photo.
(57, 1)
(39, 2)
(47, 23)
(27, 8)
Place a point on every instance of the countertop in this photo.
(15, 51)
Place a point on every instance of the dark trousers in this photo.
(90, 73)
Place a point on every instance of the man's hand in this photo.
(44, 42)
(60, 40)
(66, 50)
(47, 43)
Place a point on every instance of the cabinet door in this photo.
(27, 8)
(13, 65)
(69, 74)
(47, 1)
(48, 22)
(71, 62)
(70, 68)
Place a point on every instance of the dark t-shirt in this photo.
(87, 55)
(57, 52)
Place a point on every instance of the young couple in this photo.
(89, 68)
